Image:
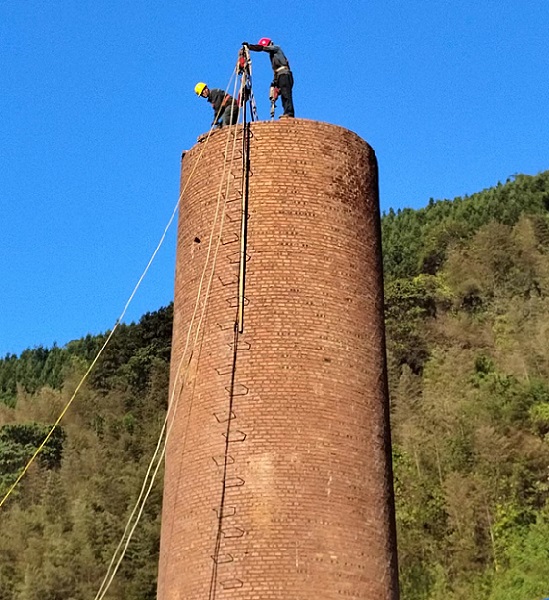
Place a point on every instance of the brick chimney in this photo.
(278, 482)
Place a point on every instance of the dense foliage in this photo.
(467, 317)
(467, 305)
(65, 519)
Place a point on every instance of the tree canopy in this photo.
(467, 321)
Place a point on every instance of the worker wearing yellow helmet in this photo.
(224, 106)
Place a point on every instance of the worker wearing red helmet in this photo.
(283, 78)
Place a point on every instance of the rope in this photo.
(220, 514)
(143, 496)
(221, 509)
(109, 337)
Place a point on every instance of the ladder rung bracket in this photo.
(231, 584)
(230, 152)
(231, 281)
(234, 258)
(233, 532)
(234, 237)
(224, 370)
(239, 389)
(226, 326)
(223, 559)
(233, 218)
(234, 212)
(220, 460)
(224, 419)
(236, 436)
(237, 197)
(232, 482)
(228, 337)
(233, 301)
(229, 511)
(241, 344)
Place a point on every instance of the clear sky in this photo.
(97, 103)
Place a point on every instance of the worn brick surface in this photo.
(308, 504)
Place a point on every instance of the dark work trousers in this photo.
(285, 83)
(230, 114)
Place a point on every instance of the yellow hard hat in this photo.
(199, 88)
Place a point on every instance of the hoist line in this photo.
(220, 512)
(142, 500)
(102, 349)
(187, 420)
(143, 497)
(115, 327)
(237, 328)
(244, 224)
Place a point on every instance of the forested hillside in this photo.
(467, 315)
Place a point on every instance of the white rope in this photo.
(144, 495)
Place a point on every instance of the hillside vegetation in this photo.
(467, 316)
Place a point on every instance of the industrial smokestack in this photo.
(278, 482)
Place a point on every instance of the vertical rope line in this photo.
(220, 514)
(109, 578)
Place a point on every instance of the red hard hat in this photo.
(265, 41)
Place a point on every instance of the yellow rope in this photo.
(143, 496)
(109, 337)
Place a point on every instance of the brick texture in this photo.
(307, 504)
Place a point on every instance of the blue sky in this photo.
(97, 104)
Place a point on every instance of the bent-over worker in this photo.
(224, 106)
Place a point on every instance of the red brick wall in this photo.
(308, 504)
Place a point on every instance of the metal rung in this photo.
(233, 238)
(239, 389)
(220, 460)
(242, 345)
(232, 281)
(229, 511)
(224, 370)
(233, 301)
(231, 584)
(233, 532)
(234, 257)
(231, 152)
(232, 482)
(234, 218)
(226, 326)
(223, 559)
(224, 420)
(237, 436)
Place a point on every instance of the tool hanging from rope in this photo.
(244, 69)
(274, 92)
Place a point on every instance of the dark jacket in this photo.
(278, 58)
(219, 101)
